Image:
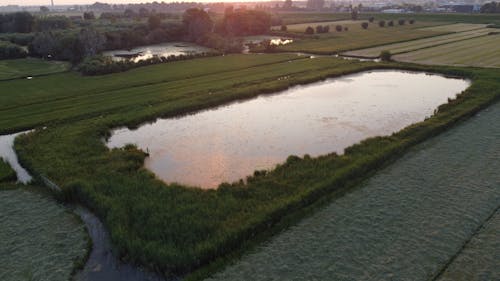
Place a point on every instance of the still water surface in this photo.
(9, 155)
(162, 50)
(228, 143)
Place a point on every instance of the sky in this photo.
(70, 2)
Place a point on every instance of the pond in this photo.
(161, 50)
(9, 155)
(228, 143)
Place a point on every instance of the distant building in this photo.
(394, 11)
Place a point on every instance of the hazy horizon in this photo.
(85, 2)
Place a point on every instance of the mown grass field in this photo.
(22, 68)
(356, 37)
(41, 239)
(456, 27)
(481, 52)
(417, 44)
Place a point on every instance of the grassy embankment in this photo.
(22, 68)
(171, 228)
(6, 172)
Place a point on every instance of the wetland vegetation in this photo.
(171, 228)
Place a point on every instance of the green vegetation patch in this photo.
(481, 52)
(6, 172)
(41, 240)
(22, 68)
(174, 229)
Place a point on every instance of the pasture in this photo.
(22, 68)
(417, 44)
(355, 37)
(480, 52)
(6, 172)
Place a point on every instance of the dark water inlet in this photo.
(230, 142)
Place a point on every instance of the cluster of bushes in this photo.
(10, 50)
(364, 25)
(491, 8)
(319, 29)
(221, 43)
(383, 23)
(22, 39)
(99, 65)
(243, 22)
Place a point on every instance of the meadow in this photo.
(173, 229)
(355, 37)
(41, 239)
(480, 52)
(6, 172)
(22, 68)
(418, 44)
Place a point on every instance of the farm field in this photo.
(456, 27)
(174, 229)
(40, 239)
(417, 44)
(480, 52)
(409, 219)
(356, 37)
(479, 259)
(21, 68)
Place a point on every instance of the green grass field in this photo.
(174, 229)
(417, 44)
(456, 27)
(356, 37)
(6, 172)
(22, 68)
(41, 239)
(481, 52)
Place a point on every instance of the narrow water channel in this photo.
(228, 143)
(8, 153)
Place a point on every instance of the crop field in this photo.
(482, 52)
(479, 258)
(356, 37)
(413, 45)
(393, 226)
(41, 240)
(457, 27)
(22, 68)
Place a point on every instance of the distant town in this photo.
(418, 6)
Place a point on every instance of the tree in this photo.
(381, 23)
(197, 23)
(90, 42)
(154, 22)
(326, 29)
(401, 21)
(88, 16)
(284, 28)
(354, 13)
(288, 4)
(390, 23)
(319, 29)
(364, 25)
(44, 9)
(371, 19)
(411, 21)
(338, 28)
(23, 22)
(309, 30)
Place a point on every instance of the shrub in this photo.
(346, 28)
(381, 23)
(390, 23)
(338, 28)
(11, 51)
(385, 55)
(326, 29)
(319, 29)
(284, 28)
(309, 30)
(364, 25)
(411, 21)
(371, 19)
(401, 21)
